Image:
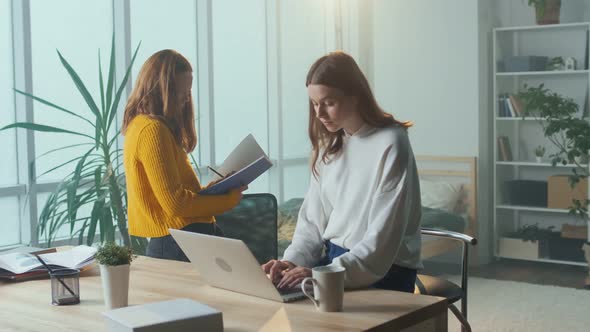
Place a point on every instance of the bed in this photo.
(448, 187)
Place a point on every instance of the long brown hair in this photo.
(155, 95)
(339, 70)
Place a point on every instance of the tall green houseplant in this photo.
(566, 128)
(97, 178)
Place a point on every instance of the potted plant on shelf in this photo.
(546, 11)
(97, 180)
(567, 128)
(539, 153)
(114, 261)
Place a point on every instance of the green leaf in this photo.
(85, 94)
(107, 226)
(81, 232)
(44, 128)
(101, 83)
(111, 74)
(113, 108)
(59, 166)
(60, 149)
(45, 102)
(139, 245)
(80, 85)
(97, 210)
(73, 188)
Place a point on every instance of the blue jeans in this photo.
(165, 247)
(398, 278)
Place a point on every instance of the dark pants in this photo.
(165, 247)
(398, 278)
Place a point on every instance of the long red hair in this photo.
(155, 95)
(339, 70)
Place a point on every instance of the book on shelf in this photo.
(501, 107)
(504, 150)
(516, 105)
(24, 265)
(511, 112)
(509, 106)
(501, 151)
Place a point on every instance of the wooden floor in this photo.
(522, 271)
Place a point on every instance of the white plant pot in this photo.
(539, 159)
(115, 285)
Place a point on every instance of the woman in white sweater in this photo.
(362, 210)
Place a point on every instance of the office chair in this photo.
(253, 221)
(435, 286)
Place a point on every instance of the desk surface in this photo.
(25, 306)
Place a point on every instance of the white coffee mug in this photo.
(328, 287)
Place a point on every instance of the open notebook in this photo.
(247, 160)
(18, 266)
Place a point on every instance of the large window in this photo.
(78, 29)
(302, 41)
(240, 77)
(249, 58)
(177, 32)
(8, 174)
(9, 227)
(157, 30)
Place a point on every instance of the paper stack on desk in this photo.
(180, 315)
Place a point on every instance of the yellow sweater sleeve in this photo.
(155, 151)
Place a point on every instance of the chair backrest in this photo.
(253, 221)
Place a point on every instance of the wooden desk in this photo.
(25, 306)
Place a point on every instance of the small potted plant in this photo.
(114, 262)
(539, 153)
(557, 63)
(546, 11)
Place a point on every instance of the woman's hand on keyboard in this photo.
(292, 277)
(275, 268)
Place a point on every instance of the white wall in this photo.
(425, 60)
(431, 63)
(427, 68)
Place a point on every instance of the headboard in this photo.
(461, 170)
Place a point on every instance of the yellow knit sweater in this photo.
(162, 187)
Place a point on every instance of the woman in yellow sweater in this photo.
(162, 187)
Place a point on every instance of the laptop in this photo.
(229, 264)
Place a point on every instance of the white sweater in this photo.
(366, 199)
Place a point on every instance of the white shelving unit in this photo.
(525, 133)
(544, 73)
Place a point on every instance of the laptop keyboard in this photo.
(286, 291)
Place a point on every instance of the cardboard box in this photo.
(560, 194)
(517, 248)
(180, 315)
(574, 232)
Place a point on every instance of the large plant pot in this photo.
(549, 14)
(115, 285)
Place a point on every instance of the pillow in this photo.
(437, 194)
